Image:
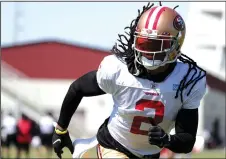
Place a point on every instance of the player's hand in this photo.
(60, 140)
(157, 136)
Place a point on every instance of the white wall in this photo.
(204, 29)
(207, 30)
(214, 107)
(49, 94)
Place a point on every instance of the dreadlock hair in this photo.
(124, 52)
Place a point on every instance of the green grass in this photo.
(210, 154)
(33, 154)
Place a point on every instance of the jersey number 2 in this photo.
(137, 120)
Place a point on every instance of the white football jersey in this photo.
(136, 100)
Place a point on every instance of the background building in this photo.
(36, 77)
(205, 43)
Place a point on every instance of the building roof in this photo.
(52, 59)
(62, 60)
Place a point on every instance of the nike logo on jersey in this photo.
(152, 93)
(175, 86)
(153, 85)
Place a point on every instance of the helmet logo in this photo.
(178, 23)
(147, 32)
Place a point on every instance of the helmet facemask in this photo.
(153, 51)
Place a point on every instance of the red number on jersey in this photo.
(137, 120)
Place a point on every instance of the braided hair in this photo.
(124, 52)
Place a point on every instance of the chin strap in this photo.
(150, 64)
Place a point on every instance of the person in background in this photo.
(24, 135)
(3, 136)
(216, 132)
(9, 130)
(36, 140)
(46, 132)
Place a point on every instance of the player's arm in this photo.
(187, 121)
(93, 83)
(185, 131)
(185, 126)
(84, 86)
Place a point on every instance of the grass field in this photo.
(34, 154)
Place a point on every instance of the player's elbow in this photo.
(74, 87)
(185, 148)
(182, 143)
(188, 147)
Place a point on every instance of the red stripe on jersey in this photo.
(149, 17)
(99, 152)
(157, 18)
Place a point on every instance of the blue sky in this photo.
(89, 23)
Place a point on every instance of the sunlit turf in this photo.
(35, 153)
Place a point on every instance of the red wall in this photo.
(52, 60)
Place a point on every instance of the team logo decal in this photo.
(153, 85)
(148, 32)
(175, 87)
(178, 23)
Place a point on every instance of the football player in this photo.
(154, 88)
